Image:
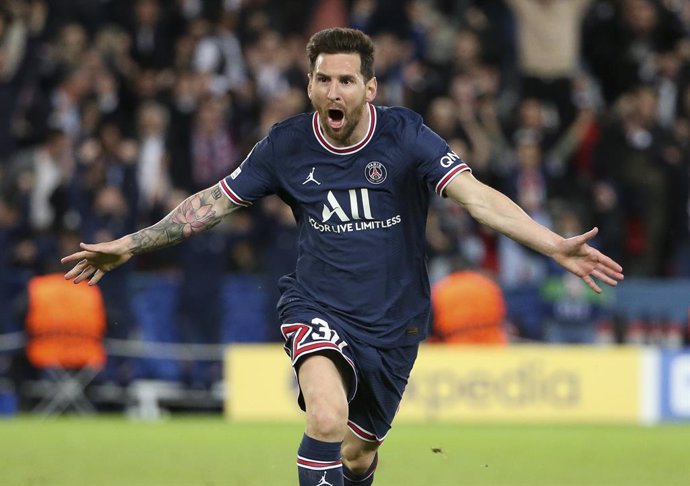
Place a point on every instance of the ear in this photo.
(309, 85)
(371, 88)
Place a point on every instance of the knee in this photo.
(326, 421)
(358, 459)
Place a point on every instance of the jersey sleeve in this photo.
(254, 178)
(437, 164)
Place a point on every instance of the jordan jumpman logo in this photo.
(310, 177)
(323, 481)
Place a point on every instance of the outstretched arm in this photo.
(197, 213)
(498, 212)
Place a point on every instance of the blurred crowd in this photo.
(112, 112)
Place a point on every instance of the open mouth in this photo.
(336, 118)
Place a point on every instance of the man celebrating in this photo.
(357, 306)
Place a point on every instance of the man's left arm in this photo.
(501, 214)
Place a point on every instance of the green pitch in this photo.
(191, 451)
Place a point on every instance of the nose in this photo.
(333, 93)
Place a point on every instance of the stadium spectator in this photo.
(219, 55)
(36, 181)
(629, 159)
(357, 306)
(621, 40)
(208, 149)
(152, 160)
(20, 25)
(270, 66)
(548, 40)
(58, 107)
(151, 29)
(441, 116)
(677, 158)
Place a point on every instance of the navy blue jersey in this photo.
(361, 213)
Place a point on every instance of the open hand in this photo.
(95, 260)
(576, 256)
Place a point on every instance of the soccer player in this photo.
(358, 178)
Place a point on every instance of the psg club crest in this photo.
(375, 172)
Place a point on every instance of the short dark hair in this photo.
(339, 40)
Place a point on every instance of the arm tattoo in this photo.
(194, 215)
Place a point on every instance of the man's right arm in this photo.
(199, 212)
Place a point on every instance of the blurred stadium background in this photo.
(112, 111)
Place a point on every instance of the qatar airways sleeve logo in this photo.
(448, 159)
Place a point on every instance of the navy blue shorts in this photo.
(376, 377)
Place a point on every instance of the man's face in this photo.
(338, 92)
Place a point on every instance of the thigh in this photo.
(323, 389)
(383, 378)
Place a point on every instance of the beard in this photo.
(342, 135)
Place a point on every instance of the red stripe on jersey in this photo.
(232, 195)
(449, 177)
(312, 464)
(352, 148)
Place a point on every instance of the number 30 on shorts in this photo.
(325, 333)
